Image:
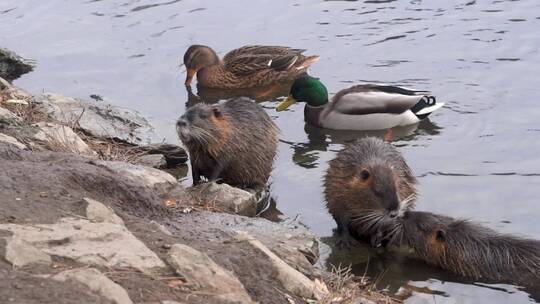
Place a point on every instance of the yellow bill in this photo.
(286, 103)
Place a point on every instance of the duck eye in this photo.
(364, 174)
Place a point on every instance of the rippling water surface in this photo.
(477, 158)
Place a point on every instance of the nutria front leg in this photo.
(195, 174)
(218, 168)
(344, 238)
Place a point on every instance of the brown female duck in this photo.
(245, 67)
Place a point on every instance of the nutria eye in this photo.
(440, 236)
(364, 174)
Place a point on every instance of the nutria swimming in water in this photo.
(234, 142)
(464, 248)
(367, 176)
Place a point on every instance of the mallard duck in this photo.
(245, 67)
(360, 107)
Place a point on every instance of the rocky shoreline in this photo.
(87, 217)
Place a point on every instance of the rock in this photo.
(20, 253)
(157, 161)
(9, 91)
(158, 227)
(362, 301)
(290, 240)
(174, 154)
(12, 140)
(98, 212)
(62, 139)
(151, 177)
(7, 114)
(97, 282)
(12, 66)
(290, 278)
(226, 197)
(87, 242)
(199, 269)
(98, 118)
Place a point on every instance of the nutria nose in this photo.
(181, 123)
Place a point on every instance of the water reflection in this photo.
(259, 94)
(306, 154)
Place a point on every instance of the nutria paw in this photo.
(345, 241)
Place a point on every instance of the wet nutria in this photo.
(368, 176)
(465, 248)
(234, 142)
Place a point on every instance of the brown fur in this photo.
(234, 142)
(367, 175)
(466, 248)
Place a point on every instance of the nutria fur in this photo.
(465, 248)
(368, 175)
(234, 142)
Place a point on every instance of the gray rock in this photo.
(88, 242)
(291, 279)
(174, 154)
(12, 140)
(7, 114)
(98, 118)
(97, 282)
(226, 197)
(199, 269)
(158, 227)
(157, 161)
(290, 240)
(62, 139)
(98, 212)
(12, 66)
(151, 177)
(9, 91)
(20, 253)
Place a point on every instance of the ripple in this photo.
(508, 59)
(144, 7)
(388, 39)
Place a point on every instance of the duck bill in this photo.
(286, 103)
(189, 77)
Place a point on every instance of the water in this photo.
(477, 157)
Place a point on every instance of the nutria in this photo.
(367, 176)
(464, 247)
(234, 142)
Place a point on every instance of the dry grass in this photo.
(111, 149)
(345, 288)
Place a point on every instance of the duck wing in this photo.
(261, 49)
(370, 99)
(249, 64)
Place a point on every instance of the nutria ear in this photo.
(440, 235)
(216, 112)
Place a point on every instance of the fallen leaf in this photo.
(170, 202)
(175, 283)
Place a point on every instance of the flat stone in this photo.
(7, 114)
(158, 227)
(98, 212)
(157, 161)
(9, 91)
(173, 154)
(199, 269)
(290, 278)
(12, 65)
(62, 138)
(20, 253)
(12, 140)
(88, 242)
(149, 176)
(97, 282)
(100, 119)
(226, 197)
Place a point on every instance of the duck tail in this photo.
(307, 62)
(426, 106)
